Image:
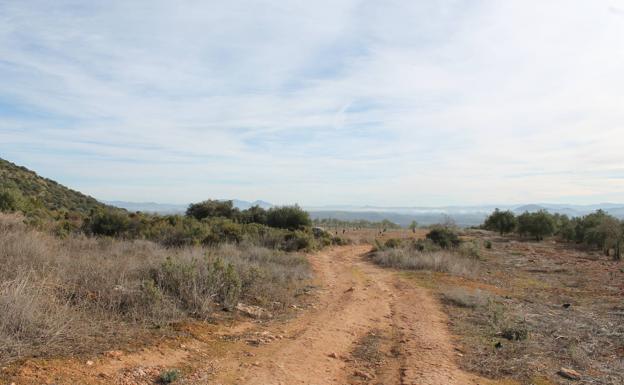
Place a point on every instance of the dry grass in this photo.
(69, 295)
(408, 258)
(523, 330)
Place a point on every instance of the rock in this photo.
(89, 363)
(333, 355)
(352, 288)
(114, 354)
(570, 374)
(253, 311)
(566, 305)
(363, 374)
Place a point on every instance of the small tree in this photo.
(501, 221)
(413, 226)
(539, 224)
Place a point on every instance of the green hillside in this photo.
(45, 192)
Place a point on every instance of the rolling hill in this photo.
(46, 192)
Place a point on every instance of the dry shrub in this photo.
(409, 258)
(462, 297)
(57, 294)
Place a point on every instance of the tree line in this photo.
(597, 230)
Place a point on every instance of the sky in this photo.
(396, 103)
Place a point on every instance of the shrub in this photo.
(223, 230)
(392, 243)
(212, 209)
(297, 240)
(108, 222)
(408, 258)
(461, 297)
(169, 376)
(11, 201)
(444, 237)
(254, 214)
(288, 217)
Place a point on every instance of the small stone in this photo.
(333, 355)
(363, 374)
(89, 363)
(570, 374)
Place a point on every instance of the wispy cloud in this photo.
(350, 101)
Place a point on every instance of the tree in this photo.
(501, 221)
(288, 217)
(612, 231)
(212, 209)
(413, 226)
(539, 224)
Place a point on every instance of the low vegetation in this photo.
(536, 307)
(440, 252)
(62, 294)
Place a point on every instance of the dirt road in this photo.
(367, 325)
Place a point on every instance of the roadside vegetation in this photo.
(73, 293)
(78, 276)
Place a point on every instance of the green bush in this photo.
(444, 237)
(392, 243)
(109, 223)
(200, 283)
(11, 201)
(169, 376)
(212, 209)
(288, 217)
(297, 240)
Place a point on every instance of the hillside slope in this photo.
(48, 193)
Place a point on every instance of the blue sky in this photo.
(342, 101)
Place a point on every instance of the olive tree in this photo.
(501, 221)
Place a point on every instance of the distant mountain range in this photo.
(462, 215)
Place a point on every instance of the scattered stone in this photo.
(89, 363)
(253, 311)
(333, 355)
(352, 288)
(570, 374)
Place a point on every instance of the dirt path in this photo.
(368, 325)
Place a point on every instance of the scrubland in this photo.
(79, 293)
(523, 309)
